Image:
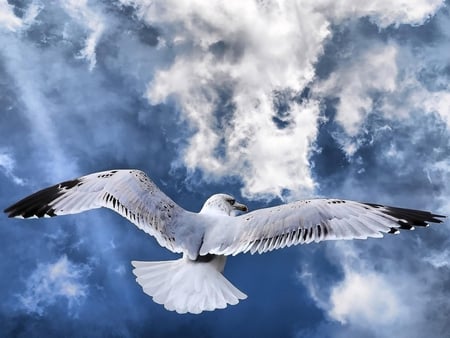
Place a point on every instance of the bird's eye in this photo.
(232, 201)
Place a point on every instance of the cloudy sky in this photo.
(268, 100)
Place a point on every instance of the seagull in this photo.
(194, 283)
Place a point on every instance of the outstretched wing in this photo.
(307, 221)
(128, 192)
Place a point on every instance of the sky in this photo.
(271, 101)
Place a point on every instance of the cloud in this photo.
(379, 294)
(245, 97)
(374, 71)
(391, 79)
(382, 12)
(11, 22)
(364, 297)
(227, 78)
(50, 283)
(7, 165)
(439, 259)
(93, 21)
(7, 18)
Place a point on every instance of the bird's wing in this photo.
(128, 192)
(308, 221)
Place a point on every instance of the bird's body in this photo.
(195, 282)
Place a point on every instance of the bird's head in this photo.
(222, 204)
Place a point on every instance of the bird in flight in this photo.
(195, 283)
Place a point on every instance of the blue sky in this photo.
(271, 101)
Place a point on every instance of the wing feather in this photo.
(128, 192)
(308, 221)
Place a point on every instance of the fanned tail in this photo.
(187, 286)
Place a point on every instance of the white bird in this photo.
(194, 283)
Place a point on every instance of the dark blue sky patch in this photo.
(224, 115)
(330, 164)
(419, 35)
(282, 105)
(327, 62)
(407, 173)
(148, 35)
(218, 49)
(19, 7)
(342, 44)
(227, 50)
(435, 77)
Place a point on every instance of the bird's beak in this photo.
(241, 207)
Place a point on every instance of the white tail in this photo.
(190, 286)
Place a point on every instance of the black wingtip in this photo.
(39, 203)
(437, 220)
(9, 211)
(409, 218)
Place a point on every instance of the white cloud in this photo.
(373, 71)
(91, 18)
(231, 61)
(384, 291)
(413, 96)
(8, 165)
(226, 63)
(7, 18)
(255, 49)
(384, 80)
(417, 100)
(251, 51)
(364, 297)
(382, 12)
(83, 12)
(439, 259)
(11, 22)
(358, 83)
(51, 282)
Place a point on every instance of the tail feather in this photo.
(187, 286)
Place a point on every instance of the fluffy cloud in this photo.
(379, 295)
(391, 79)
(364, 297)
(243, 76)
(233, 67)
(234, 59)
(52, 282)
(372, 72)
